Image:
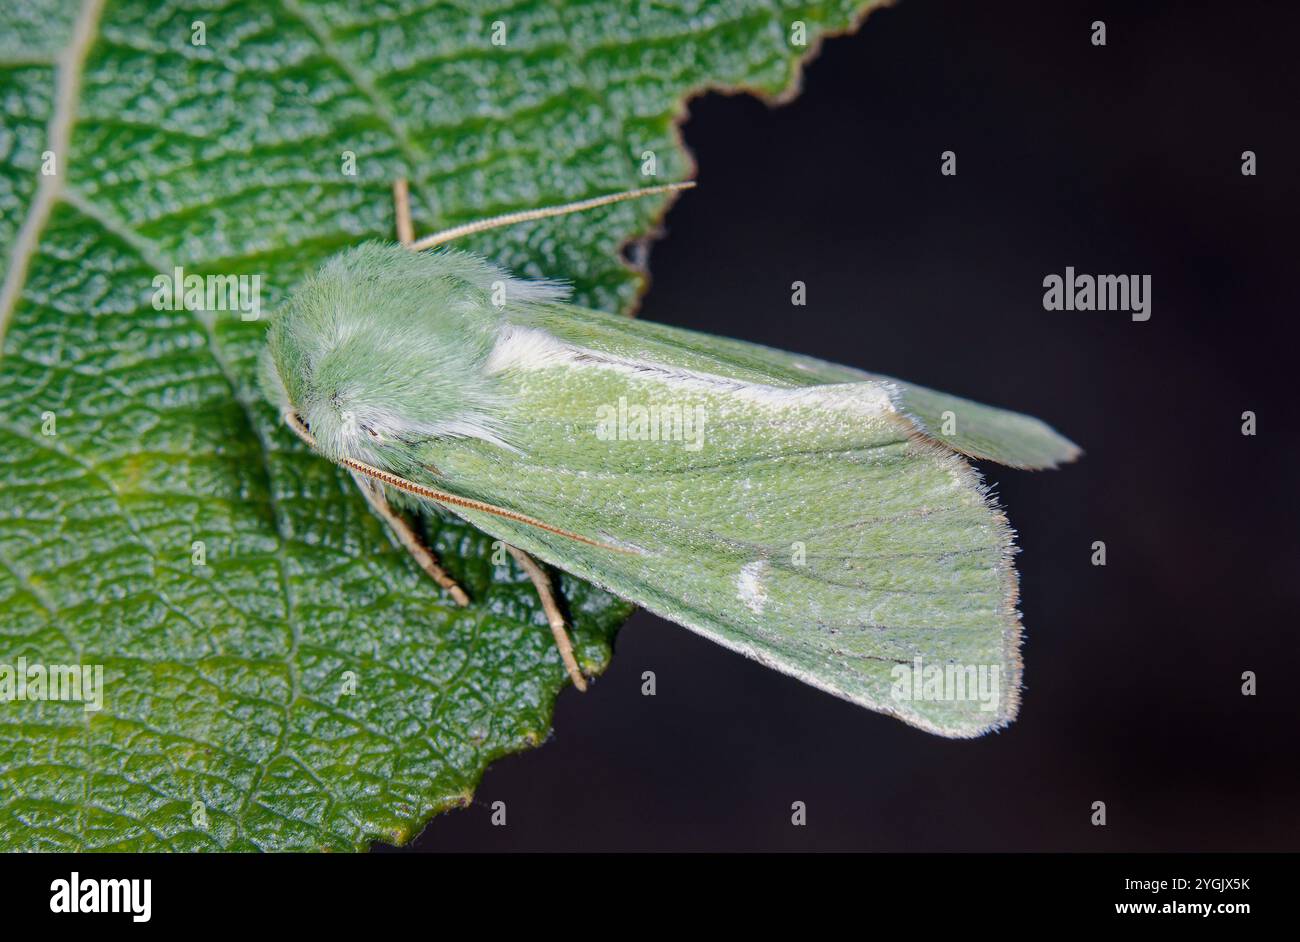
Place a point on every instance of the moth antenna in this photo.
(443, 497)
(527, 215)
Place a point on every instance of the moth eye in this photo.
(371, 432)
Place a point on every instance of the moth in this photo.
(824, 521)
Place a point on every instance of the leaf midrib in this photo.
(70, 65)
(51, 190)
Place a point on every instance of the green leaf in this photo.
(129, 434)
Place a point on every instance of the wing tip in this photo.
(1000, 435)
(1051, 451)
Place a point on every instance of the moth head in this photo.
(384, 349)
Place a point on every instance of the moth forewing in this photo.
(807, 528)
(968, 427)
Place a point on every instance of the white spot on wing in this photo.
(749, 586)
(526, 348)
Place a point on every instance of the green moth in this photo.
(819, 519)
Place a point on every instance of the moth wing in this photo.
(976, 430)
(809, 528)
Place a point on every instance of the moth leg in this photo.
(402, 203)
(409, 539)
(542, 582)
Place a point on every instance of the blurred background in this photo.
(1119, 159)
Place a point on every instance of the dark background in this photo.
(1122, 159)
